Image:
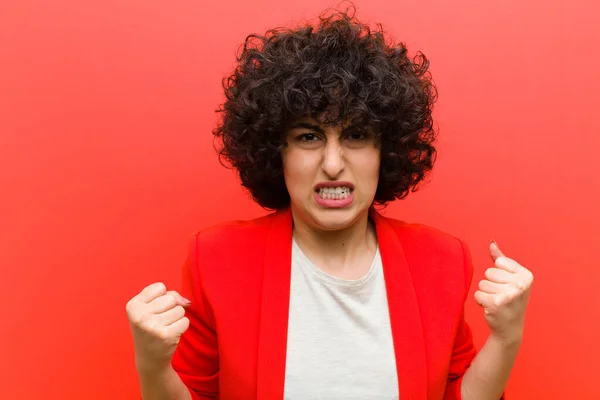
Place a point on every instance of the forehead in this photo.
(324, 122)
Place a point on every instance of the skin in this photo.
(157, 321)
(504, 296)
(341, 241)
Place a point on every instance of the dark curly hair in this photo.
(341, 65)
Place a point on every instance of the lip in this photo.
(333, 203)
(334, 184)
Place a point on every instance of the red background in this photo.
(107, 168)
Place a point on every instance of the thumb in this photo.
(495, 251)
(182, 301)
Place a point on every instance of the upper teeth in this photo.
(335, 190)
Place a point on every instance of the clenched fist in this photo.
(157, 320)
(504, 295)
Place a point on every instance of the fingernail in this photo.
(493, 241)
(186, 301)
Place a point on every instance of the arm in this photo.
(463, 354)
(504, 295)
(157, 321)
(471, 375)
(174, 340)
(487, 377)
(196, 359)
(161, 385)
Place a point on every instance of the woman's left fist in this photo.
(504, 295)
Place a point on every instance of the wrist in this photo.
(507, 341)
(151, 369)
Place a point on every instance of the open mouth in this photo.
(334, 193)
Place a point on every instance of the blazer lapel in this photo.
(407, 331)
(272, 341)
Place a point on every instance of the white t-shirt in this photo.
(339, 336)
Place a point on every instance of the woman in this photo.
(325, 298)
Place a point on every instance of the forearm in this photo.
(488, 374)
(162, 384)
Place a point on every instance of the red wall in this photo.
(107, 168)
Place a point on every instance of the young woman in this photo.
(325, 298)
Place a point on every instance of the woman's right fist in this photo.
(157, 320)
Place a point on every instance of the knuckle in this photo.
(497, 302)
(130, 306)
(180, 311)
(161, 287)
(502, 260)
(143, 319)
(135, 314)
(173, 295)
(186, 322)
(163, 334)
(169, 300)
(530, 276)
(478, 298)
(135, 319)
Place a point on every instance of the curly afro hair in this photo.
(337, 71)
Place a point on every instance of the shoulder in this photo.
(236, 246)
(433, 254)
(228, 256)
(420, 236)
(232, 234)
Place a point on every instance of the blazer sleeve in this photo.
(196, 359)
(464, 350)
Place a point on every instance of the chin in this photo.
(334, 219)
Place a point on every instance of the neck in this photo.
(340, 250)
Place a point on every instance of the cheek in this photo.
(297, 170)
(374, 178)
(376, 165)
(368, 176)
(369, 169)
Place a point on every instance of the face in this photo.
(331, 172)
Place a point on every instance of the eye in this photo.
(307, 137)
(357, 135)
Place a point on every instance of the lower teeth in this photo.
(336, 196)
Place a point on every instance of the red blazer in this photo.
(238, 279)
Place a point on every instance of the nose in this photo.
(333, 159)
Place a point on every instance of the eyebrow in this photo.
(307, 125)
(317, 128)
